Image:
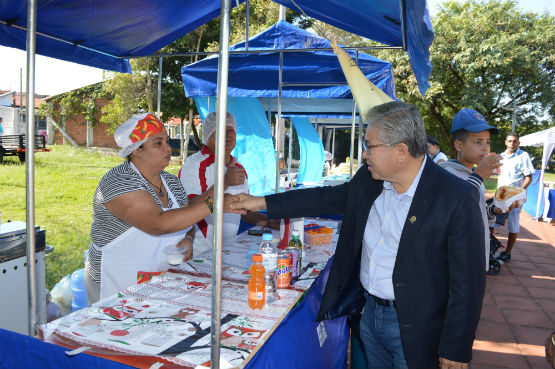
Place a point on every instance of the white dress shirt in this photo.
(381, 237)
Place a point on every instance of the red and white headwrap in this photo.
(135, 131)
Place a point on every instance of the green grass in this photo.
(491, 183)
(65, 182)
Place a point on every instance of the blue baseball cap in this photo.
(471, 121)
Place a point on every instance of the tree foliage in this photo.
(138, 91)
(485, 56)
(75, 103)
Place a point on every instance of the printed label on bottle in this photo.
(270, 262)
(256, 295)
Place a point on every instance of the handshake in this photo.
(241, 203)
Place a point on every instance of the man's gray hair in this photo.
(399, 122)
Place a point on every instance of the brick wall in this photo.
(76, 128)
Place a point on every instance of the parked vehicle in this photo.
(15, 145)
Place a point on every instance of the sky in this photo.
(53, 76)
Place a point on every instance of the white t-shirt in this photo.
(440, 156)
(197, 175)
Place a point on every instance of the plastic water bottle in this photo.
(269, 259)
(79, 297)
(257, 290)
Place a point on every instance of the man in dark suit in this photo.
(410, 247)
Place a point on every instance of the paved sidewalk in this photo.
(518, 313)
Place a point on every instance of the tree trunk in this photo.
(434, 110)
(186, 140)
(198, 142)
(148, 88)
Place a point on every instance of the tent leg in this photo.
(159, 101)
(221, 109)
(30, 167)
(333, 146)
(352, 149)
(290, 151)
(278, 122)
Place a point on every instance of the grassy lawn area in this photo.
(65, 182)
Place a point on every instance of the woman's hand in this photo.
(230, 199)
(234, 175)
(188, 243)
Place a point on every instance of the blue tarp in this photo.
(114, 28)
(312, 152)
(379, 20)
(531, 203)
(257, 75)
(254, 149)
(101, 32)
(295, 341)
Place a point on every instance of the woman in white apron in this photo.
(138, 210)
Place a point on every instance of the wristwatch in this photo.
(189, 237)
(210, 203)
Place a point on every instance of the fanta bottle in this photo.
(257, 288)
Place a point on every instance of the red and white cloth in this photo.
(197, 175)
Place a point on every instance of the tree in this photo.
(485, 56)
(129, 93)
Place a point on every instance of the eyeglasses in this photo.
(481, 143)
(367, 147)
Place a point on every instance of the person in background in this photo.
(410, 247)
(433, 149)
(197, 177)
(1, 128)
(516, 171)
(138, 210)
(471, 138)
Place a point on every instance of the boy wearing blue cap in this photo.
(471, 138)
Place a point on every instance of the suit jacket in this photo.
(438, 277)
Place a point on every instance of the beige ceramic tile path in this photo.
(518, 313)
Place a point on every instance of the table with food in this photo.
(166, 317)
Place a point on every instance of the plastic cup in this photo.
(174, 255)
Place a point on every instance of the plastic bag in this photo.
(504, 205)
(61, 294)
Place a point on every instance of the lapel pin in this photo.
(412, 219)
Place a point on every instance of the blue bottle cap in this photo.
(267, 237)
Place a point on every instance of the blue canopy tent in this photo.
(105, 33)
(312, 83)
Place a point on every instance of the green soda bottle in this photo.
(296, 248)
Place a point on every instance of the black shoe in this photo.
(504, 256)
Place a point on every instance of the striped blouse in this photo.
(105, 226)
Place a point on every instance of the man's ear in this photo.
(402, 151)
(458, 145)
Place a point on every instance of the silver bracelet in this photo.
(189, 237)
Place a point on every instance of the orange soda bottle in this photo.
(257, 288)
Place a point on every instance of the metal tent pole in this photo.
(160, 88)
(333, 146)
(278, 122)
(247, 5)
(30, 167)
(290, 151)
(360, 128)
(221, 109)
(352, 149)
